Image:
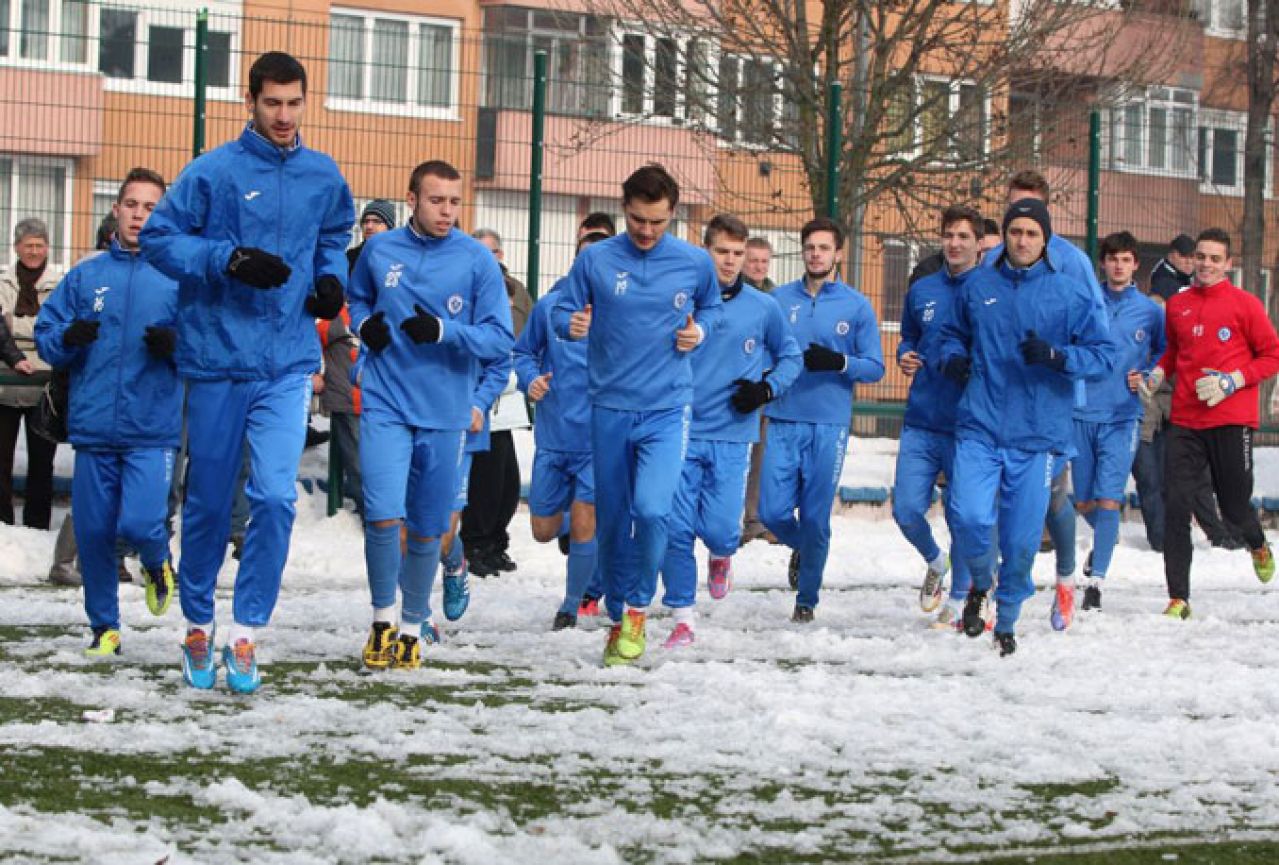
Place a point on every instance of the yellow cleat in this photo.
(159, 585)
(1177, 609)
(1263, 563)
(631, 641)
(611, 657)
(379, 649)
(407, 652)
(106, 643)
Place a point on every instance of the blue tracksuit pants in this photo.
(222, 417)
(921, 455)
(1012, 486)
(708, 505)
(118, 494)
(636, 454)
(802, 464)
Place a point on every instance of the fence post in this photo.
(1094, 183)
(535, 172)
(834, 143)
(201, 79)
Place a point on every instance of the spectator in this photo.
(378, 216)
(759, 256)
(1172, 273)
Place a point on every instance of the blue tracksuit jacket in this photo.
(454, 278)
(1008, 403)
(750, 339)
(564, 415)
(637, 297)
(839, 318)
(122, 397)
(248, 192)
(930, 304)
(1138, 340)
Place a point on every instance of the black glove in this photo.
(375, 333)
(327, 301)
(81, 332)
(958, 368)
(750, 395)
(819, 358)
(422, 327)
(161, 341)
(257, 267)
(1035, 350)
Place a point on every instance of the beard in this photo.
(823, 275)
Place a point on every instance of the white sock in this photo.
(938, 565)
(411, 629)
(197, 626)
(1066, 579)
(685, 615)
(384, 614)
(240, 632)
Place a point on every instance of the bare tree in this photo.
(1263, 37)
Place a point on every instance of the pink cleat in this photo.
(721, 576)
(681, 637)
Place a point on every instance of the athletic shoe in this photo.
(949, 618)
(1063, 606)
(159, 586)
(406, 652)
(431, 634)
(1177, 609)
(977, 615)
(1263, 562)
(477, 562)
(934, 587)
(500, 560)
(631, 641)
(198, 663)
(611, 656)
(680, 638)
(721, 576)
(106, 642)
(379, 647)
(457, 595)
(802, 615)
(1092, 597)
(563, 621)
(792, 571)
(241, 665)
(1006, 643)
(588, 607)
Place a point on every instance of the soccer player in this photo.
(552, 371)
(1221, 347)
(647, 299)
(1106, 426)
(927, 444)
(431, 307)
(748, 360)
(808, 425)
(255, 233)
(110, 323)
(1021, 333)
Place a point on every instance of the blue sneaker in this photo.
(199, 667)
(457, 595)
(241, 667)
(431, 634)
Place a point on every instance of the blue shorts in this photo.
(559, 479)
(1105, 452)
(410, 473)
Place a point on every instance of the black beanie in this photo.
(1030, 208)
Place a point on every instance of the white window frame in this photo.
(58, 256)
(54, 36)
(616, 53)
(410, 107)
(778, 108)
(1235, 121)
(223, 18)
(954, 86)
(1210, 13)
(529, 34)
(1146, 100)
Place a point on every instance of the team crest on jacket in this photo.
(794, 314)
(100, 298)
(681, 298)
(455, 304)
(841, 328)
(393, 274)
(1140, 335)
(1224, 334)
(749, 345)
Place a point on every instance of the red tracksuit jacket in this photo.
(1225, 328)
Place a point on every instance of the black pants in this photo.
(493, 496)
(1227, 454)
(40, 451)
(1148, 472)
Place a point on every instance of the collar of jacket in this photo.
(115, 250)
(1113, 296)
(1040, 267)
(958, 279)
(1215, 288)
(635, 250)
(422, 237)
(256, 142)
(728, 292)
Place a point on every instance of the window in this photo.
(44, 31)
(750, 101)
(657, 78)
(897, 262)
(1223, 17)
(1152, 134)
(397, 64)
(1221, 150)
(150, 50)
(164, 55)
(34, 186)
(118, 36)
(577, 67)
(945, 120)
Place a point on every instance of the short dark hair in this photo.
(598, 221)
(989, 226)
(278, 67)
(591, 237)
(432, 168)
(1031, 181)
(963, 213)
(757, 242)
(725, 223)
(823, 223)
(651, 183)
(1120, 241)
(1214, 235)
(140, 175)
(106, 230)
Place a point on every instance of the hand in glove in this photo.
(375, 332)
(819, 358)
(81, 332)
(958, 369)
(327, 301)
(422, 327)
(1035, 350)
(750, 395)
(257, 267)
(1216, 385)
(161, 341)
(1151, 383)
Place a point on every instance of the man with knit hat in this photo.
(378, 216)
(1174, 272)
(1022, 334)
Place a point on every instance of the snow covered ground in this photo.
(865, 737)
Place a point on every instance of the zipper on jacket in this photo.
(279, 244)
(119, 367)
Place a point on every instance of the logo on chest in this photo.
(681, 298)
(841, 328)
(1140, 335)
(100, 298)
(1224, 334)
(623, 279)
(455, 304)
(748, 347)
(393, 274)
(1197, 330)
(794, 314)
(929, 311)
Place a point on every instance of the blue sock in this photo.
(1061, 528)
(581, 567)
(417, 577)
(1006, 615)
(1105, 536)
(452, 560)
(1090, 517)
(382, 559)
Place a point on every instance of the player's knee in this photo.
(1085, 507)
(1108, 504)
(383, 524)
(546, 529)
